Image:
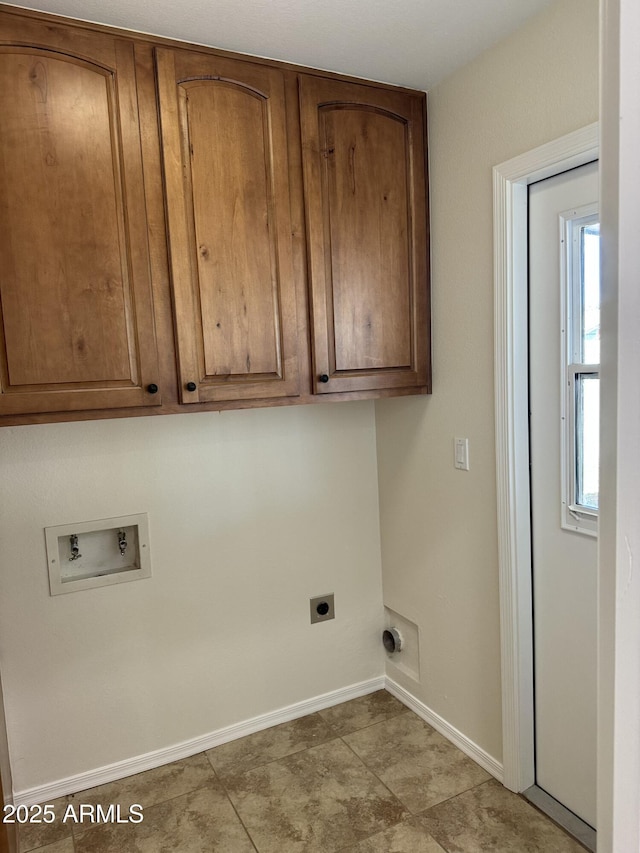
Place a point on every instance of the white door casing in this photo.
(510, 182)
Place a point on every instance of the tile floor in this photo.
(368, 776)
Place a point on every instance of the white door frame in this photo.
(510, 203)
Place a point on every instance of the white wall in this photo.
(251, 513)
(438, 524)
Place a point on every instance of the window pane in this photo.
(587, 439)
(590, 320)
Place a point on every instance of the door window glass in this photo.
(581, 413)
(590, 293)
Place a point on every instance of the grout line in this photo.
(217, 779)
(373, 773)
(400, 713)
(374, 834)
(236, 812)
(273, 760)
(453, 797)
(91, 826)
(205, 753)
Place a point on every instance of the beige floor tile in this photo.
(317, 801)
(200, 822)
(491, 818)
(151, 787)
(64, 846)
(302, 788)
(34, 835)
(407, 837)
(362, 712)
(415, 762)
(269, 745)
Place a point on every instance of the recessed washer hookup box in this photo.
(88, 554)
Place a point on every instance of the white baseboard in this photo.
(140, 763)
(131, 766)
(457, 738)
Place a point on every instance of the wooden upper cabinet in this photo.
(365, 201)
(295, 207)
(76, 323)
(227, 191)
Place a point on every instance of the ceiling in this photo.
(413, 43)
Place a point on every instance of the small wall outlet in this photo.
(322, 608)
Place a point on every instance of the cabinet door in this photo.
(227, 189)
(365, 201)
(76, 323)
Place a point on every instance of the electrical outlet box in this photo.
(322, 608)
(88, 554)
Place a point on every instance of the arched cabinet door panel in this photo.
(227, 191)
(365, 202)
(76, 325)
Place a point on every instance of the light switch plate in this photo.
(461, 453)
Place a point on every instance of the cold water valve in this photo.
(74, 548)
(122, 542)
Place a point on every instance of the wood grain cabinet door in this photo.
(365, 201)
(76, 324)
(227, 191)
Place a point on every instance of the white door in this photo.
(564, 338)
